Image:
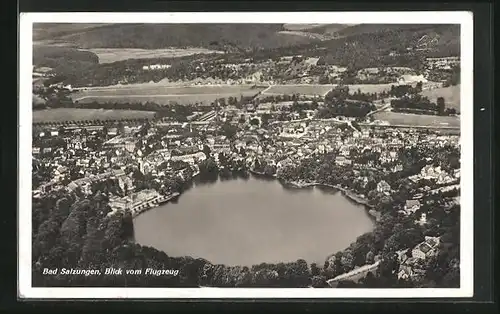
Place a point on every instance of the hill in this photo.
(380, 28)
(155, 36)
(316, 28)
(373, 45)
(44, 31)
(330, 29)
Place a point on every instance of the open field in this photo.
(320, 89)
(397, 118)
(451, 95)
(74, 114)
(109, 55)
(164, 94)
(302, 89)
(370, 88)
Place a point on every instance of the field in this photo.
(397, 118)
(109, 55)
(73, 114)
(451, 95)
(322, 90)
(370, 88)
(164, 94)
(311, 90)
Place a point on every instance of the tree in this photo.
(370, 257)
(323, 79)
(418, 87)
(347, 260)
(254, 121)
(314, 269)
(441, 105)
(319, 282)
(229, 130)
(207, 150)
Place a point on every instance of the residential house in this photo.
(411, 206)
(427, 248)
(345, 151)
(407, 271)
(112, 131)
(397, 168)
(423, 219)
(383, 187)
(342, 160)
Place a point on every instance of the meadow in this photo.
(323, 89)
(311, 90)
(109, 55)
(397, 118)
(451, 95)
(74, 114)
(162, 94)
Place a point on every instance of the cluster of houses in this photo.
(410, 261)
(153, 67)
(443, 63)
(436, 174)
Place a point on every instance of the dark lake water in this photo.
(250, 221)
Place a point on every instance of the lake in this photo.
(251, 221)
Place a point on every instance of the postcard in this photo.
(246, 155)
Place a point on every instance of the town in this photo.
(93, 176)
(141, 166)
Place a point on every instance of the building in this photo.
(444, 63)
(112, 131)
(383, 187)
(190, 158)
(411, 206)
(427, 248)
(423, 219)
(342, 160)
(118, 142)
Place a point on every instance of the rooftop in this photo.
(411, 203)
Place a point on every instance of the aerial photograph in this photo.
(245, 155)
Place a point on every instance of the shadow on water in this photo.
(212, 178)
(327, 189)
(206, 179)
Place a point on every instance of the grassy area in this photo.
(109, 55)
(397, 118)
(320, 89)
(73, 114)
(451, 95)
(370, 88)
(162, 94)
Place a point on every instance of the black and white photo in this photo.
(328, 154)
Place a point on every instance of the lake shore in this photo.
(346, 192)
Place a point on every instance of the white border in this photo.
(463, 18)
